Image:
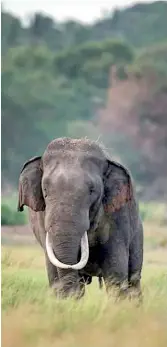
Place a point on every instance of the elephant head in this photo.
(71, 182)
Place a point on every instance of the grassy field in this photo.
(31, 315)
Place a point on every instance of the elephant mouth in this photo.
(84, 254)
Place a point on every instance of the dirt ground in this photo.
(17, 235)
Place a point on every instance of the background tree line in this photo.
(58, 80)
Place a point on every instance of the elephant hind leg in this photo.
(135, 264)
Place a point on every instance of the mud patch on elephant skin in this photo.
(119, 200)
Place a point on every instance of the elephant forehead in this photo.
(57, 157)
(76, 159)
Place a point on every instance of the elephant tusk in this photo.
(59, 264)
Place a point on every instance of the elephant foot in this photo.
(130, 290)
(118, 290)
(135, 292)
(67, 290)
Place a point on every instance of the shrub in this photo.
(9, 216)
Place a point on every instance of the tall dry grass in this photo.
(32, 316)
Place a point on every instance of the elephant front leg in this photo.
(51, 272)
(115, 270)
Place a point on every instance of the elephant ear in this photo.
(118, 188)
(30, 190)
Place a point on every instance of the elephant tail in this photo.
(100, 282)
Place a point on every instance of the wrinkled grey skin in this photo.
(75, 187)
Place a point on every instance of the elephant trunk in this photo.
(79, 265)
(63, 249)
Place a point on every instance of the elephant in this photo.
(84, 213)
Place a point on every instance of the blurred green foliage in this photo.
(55, 78)
(43, 92)
(9, 215)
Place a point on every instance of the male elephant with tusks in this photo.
(84, 213)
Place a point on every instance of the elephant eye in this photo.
(91, 190)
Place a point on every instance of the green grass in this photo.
(153, 212)
(32, 316)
